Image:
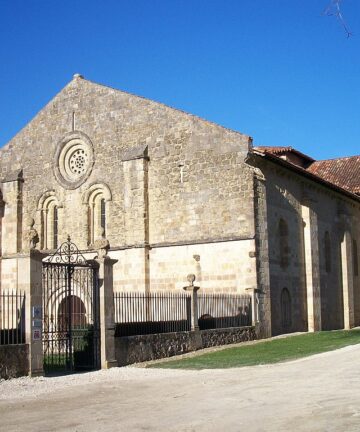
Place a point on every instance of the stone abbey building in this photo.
(175, 194)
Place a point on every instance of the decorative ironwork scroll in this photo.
(67, 253)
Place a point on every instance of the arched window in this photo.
(355, 258)
(96, 198)
(327, 252)
(283, 244)
(49, 215)
(285, 305)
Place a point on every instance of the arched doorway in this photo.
(71, 311)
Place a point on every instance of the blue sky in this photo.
(274, 69)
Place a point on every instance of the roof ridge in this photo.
(334, 159)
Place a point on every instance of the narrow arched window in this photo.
(285, 305)
(103, 215)
(55, 228)
(283, 244)
(49, 219)
(327, 252)
(355, 258)
(97, 199)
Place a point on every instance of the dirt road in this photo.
(319, 393)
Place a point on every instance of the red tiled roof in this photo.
(343, 172)
(274, 150)
(283, 150)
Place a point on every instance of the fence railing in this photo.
(224, 310)
(12, 317)
(150, 313)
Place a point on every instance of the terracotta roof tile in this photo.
(282, 151)
(343, 172)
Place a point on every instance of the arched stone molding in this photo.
(97, 200)
(50, 216)
(59, 294)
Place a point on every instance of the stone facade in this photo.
(173, 195)
(158, 171)
(319, 274)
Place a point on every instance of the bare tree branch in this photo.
(334, 9)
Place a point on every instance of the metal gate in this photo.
(71, 329)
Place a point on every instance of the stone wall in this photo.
(219, 267)
(136, 349)
(287, 196)
(227, 336)
(14, 361)
(169, 180)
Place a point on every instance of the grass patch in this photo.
(267, 352)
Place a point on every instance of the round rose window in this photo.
(73, 160)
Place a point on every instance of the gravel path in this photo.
(318, 393)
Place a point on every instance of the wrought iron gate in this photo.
(71, 330)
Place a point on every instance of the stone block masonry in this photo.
(137, 349)
(14, 361)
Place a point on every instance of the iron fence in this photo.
(224, 310)
(150, 313)
(12, 317)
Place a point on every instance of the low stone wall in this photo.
(136, 349)
(227, 336)
(14, 360)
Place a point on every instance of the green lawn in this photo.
(268, 351)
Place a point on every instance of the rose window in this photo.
(78, 162)
(74, 160)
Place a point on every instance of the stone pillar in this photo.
(194, 302)
(194, 326)
(312, 267)
(254, 293)
(30, 281)
(12, 220)
(261, 253)
(347, 280)
(107, 308)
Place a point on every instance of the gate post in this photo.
(30, 280)
(107, 309)
(194, 326)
